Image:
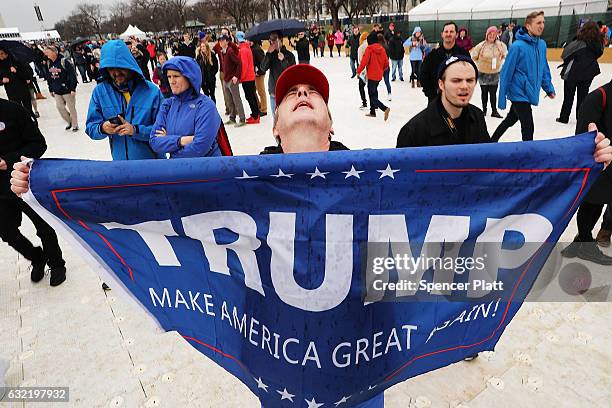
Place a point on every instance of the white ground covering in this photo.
(551, 355)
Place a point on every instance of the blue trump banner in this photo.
(322, 279)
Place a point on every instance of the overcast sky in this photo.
(20, 13)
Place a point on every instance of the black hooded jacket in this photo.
(396, 48)
(209, 70)
(353, 42)
(585, 66)
(17, 87)
(598, 109)
(303, 49)
(430, 127)
(19, 136)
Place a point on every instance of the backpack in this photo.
(223, 142)
(604, 97)
(568, 55)
(65, 72)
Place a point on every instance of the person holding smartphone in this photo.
(123, 105)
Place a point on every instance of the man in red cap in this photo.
(302, 121)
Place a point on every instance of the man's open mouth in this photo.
(302, 104)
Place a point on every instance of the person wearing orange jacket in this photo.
(376, 62)
(247, 77)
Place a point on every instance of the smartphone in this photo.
(115, 120)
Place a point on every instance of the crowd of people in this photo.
(176, 114)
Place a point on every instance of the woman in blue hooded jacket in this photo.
(187, 123)
(523, 74)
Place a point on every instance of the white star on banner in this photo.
(388, 172)
(353, 173)
(281, 174)
(371, 387)
(260, 384)
(317, 173)
(312, 403)
(245, 176)
(286, 395)
(342, 401)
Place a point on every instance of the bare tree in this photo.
(303, 8)
(353, 8)
(333, 6)
(372, 6)
(206, 12)
(179, 9)
(244, 12)
(402, 4)
(119, 17)
(275, 8)
(94, 14)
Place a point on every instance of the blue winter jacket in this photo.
(187, 114)
(416, 53)
(525, 71)
(107, 102)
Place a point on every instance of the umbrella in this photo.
(287, 27)
(19, 51)
(78, 41)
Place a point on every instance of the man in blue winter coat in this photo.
(123, 105)
(525, 71)
(188, 123)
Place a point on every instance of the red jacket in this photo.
(232, 67)
(330, 40)
(152, 50)
(246, 59)
(375, 60)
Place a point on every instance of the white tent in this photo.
(133, 31)
(501, 9)
(40, 35)
(10, 33)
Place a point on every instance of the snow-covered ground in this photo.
(552, 354)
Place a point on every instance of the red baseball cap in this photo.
(301, 74)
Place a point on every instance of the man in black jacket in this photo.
(429, 68)
(81, 63)
(302, 46)
(353, 43)
(19, 136)
(16, 77)
(187, 47)
(260, 76)
(450, 119)
(277, 59)
(596, 110)
(396, 55)
(143, 58)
